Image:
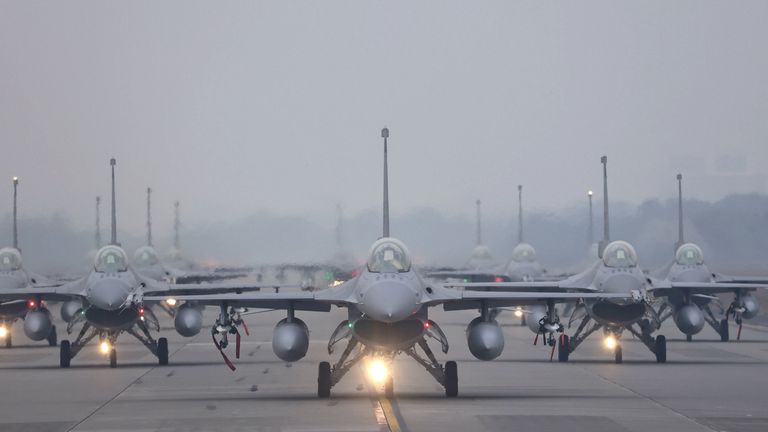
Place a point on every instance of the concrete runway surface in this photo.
(707, 385)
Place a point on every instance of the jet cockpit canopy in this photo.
(689, 254)
(389, 255)
(620, 254)
(10, 259)
(111, 259)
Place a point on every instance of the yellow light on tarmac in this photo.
(104, 347)
(518, 313)
(3, 332)
(378, 371)
(171, 302)
(610, 342)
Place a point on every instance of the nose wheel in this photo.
(563, 348)
(661, 349)
(65, 354)
(618, 356)
(324, 380)
(451, 379)
(113, 358)
(52, 337)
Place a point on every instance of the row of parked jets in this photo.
(387, 302)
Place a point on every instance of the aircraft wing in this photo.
(542, 286)
(62, 292)
(176, 290)
(721, 278)
(463, 300)
(321, 300)
(703, 287)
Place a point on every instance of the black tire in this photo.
(65, 354)
(52, 337)
(563, 348)
(113, 358)
(324, 380)
(661, 349)
(618, 356)
(389, 387)
(451, 379)
(9, 338)
(724, 336)
(688, 338)
(162, 351)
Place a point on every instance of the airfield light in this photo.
(589, 192)
(3, 332)
(104, 347)
(378, 371)
(498, 279)
(170, 302)
(426, 325)
(350, 324)
(610, 342)
(31, 304)
(519, 313)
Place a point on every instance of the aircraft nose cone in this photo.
(108, 294)
(389, 301)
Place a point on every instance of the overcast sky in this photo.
(239, 107)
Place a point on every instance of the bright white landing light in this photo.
(610, 342)
(104, 347)
(3, 332)
(518, 313)
(377, 370)
(171, 302)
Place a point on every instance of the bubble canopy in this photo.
(10, 259)
(389, 255)
(689, 254)
(524, 253)
(145, 256)
(110, 259)
(620, 254)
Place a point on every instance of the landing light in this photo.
(170, 302)
(3, 332)
(31, 304)
(610, 342)
(336, 283)
(378, 371)
(519, 313)
(104, 347)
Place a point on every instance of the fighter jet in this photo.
(111, 299)
(388, 314)
(691, 307)
(13, 276)
(523, 266)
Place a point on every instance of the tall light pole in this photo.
(149, 216)
(519, 214)
(385, 135)
(15, 228)
(606, 228)
(479, 224)
(113, 238)
(98, 222)
(680, 239)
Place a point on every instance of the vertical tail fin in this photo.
(479, 231)
(606, 228)
(680, 239)
(149, 216)
(113, 238)
(385, 135)
(519, 214)
(176, 226)
(98, 222)
(15, 214)
(339, 227)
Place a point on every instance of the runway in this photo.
(707, 385)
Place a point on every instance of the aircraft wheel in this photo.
(451, 379)
(723, 330)
(563, 348)
(52, 337)
(65, 354)
(324, 380)
(389, 387)
(688, 338)
(113, 358)
(661, 349)
(9, 338)
(162, 351)
(618, 355)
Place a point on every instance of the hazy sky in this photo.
(239, 107)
